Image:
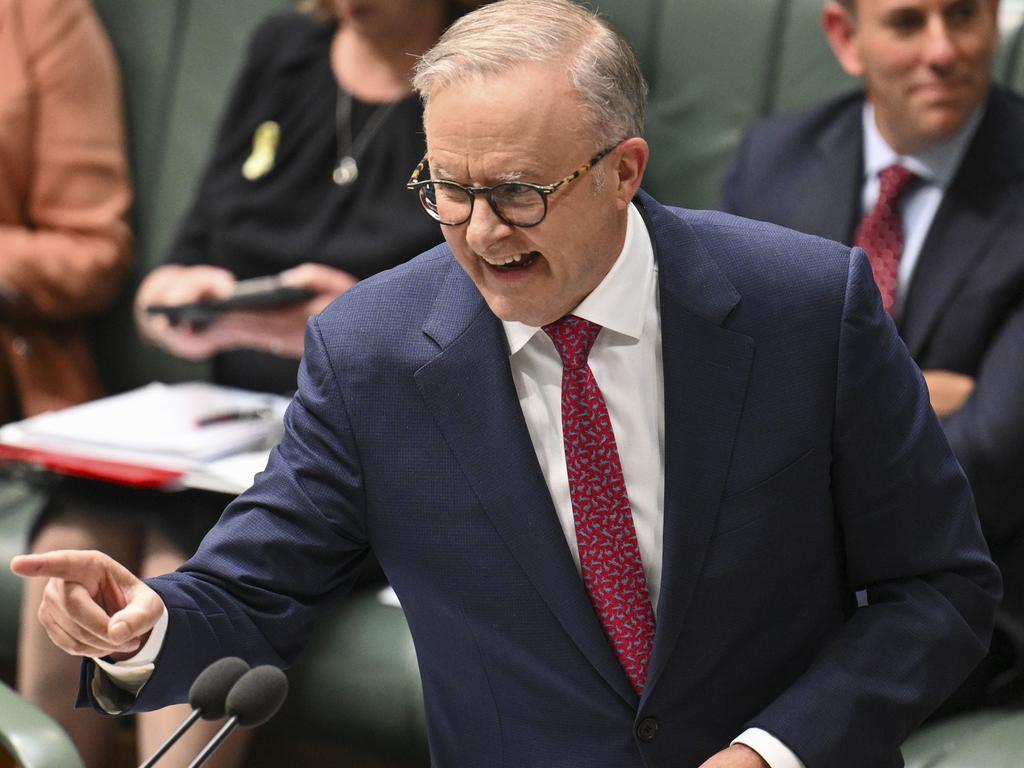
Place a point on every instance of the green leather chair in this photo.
(20, 503)
(30, 738)
(1013, 61)
(988, 739)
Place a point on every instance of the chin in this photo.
(943, 123)
(512, 313)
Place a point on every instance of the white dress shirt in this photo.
(627, 365)
(935, 166)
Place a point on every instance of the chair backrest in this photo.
(31, 738)
(20, 505)
(1012, 59)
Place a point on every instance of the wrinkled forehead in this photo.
(519, 126)
(533, 104)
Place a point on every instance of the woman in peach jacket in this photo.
(65, 245)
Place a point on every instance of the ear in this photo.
(630, 159)
(841, 30)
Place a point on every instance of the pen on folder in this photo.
(222, 417)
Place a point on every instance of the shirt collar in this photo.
(937, 164)
(619, 302)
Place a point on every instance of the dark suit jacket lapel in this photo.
(967, 221)
(706, 369)
(469, 390)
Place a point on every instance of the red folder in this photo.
(118, 472)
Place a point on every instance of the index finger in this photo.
(68, 564)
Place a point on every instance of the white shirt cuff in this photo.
(131, 674)
(771, 750)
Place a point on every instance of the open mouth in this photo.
(513, 262)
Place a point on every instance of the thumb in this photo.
(302, 276)
(138, 617)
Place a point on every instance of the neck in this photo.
(379, 68)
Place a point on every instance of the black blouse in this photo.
(294, 212)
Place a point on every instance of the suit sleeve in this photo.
(911, 541)
(70, 258)
(987, 433)
(282, 554)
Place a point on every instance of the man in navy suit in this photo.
(928, 105)
(647, 555)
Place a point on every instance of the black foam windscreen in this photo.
(210, 690)
(257, 696)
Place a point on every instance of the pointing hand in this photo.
(92, 605)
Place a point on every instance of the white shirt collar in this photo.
(619, 302)
(937, 164)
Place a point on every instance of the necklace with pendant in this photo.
(350, 147)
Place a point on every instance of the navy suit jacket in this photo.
(965, 308)
(802, 463)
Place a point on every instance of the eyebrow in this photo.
(440, 172)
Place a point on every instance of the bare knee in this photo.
(69, 528)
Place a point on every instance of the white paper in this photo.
(158, 426)
(162, 420)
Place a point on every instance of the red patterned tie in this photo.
(609, 554)
(880, 232)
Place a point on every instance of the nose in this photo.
(484, 228)
(940, 50)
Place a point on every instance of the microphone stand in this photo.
(215, 742)
(162, 750)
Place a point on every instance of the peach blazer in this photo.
(65, 243)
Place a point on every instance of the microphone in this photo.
(253, 700)
(207, 697)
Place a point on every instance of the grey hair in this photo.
(496, 39)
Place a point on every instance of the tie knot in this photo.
(573, 337)
(893, 181)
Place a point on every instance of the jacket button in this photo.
(647, 729)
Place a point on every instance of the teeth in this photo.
(502, 261)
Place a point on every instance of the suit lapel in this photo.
(469, 391)
(969, 218)
(706, 369)
(955, 244)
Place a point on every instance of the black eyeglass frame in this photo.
(543, 189)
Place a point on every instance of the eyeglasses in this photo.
(517, 203)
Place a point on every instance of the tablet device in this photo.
(254, 294)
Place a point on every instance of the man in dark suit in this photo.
(958, 288)
(625, 466)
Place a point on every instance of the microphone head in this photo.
(210, 689)
(257, 696)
